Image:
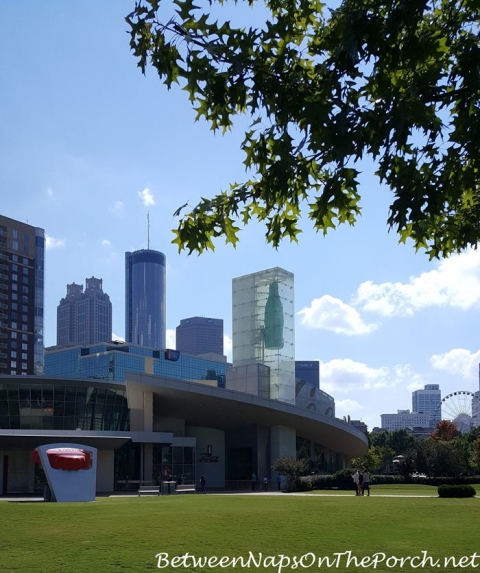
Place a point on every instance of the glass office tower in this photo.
(145, 298)
(263, 327)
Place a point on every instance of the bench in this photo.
(148, 490)
(184, 488)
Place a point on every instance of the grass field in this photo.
(126, 533)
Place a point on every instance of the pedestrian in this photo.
(356, 480)
(254, 479)
(203, 483)
(366, 481)
(265, 483)
(360, 483)
(279, 482)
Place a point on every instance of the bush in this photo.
(447, 490)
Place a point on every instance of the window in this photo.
(14, 307)
(25, 280)
(14, 277)
(24, 308)
(15, 234)
(25, 290)
(24, 327)
(13, 315)
(13, 354)
(14, 325)
(24, 317)
(14, 286)
(14, 296)
(24, 346)
(13, 344)
(24, 365)
(25, 270)
(15, 258)
(24, 336)
(24, 356)
(15, 245)
(13, 364)
(24, 298)
(25, 261)
(14, 267)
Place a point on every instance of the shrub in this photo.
(447, 490)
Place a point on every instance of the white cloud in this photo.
(50, 192)
(332, 314)
(227, 347)
(106, 243)
(52, 243)
(117, 337)
(458, 361)
(147, 197)
(343, 376)
(117, 209)
(345, 407)
(455, 282)
(171, 338)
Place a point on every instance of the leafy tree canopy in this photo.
(397, 82)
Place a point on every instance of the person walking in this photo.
(265, 483)
(366, 482)
(254, 479)
(203, 483)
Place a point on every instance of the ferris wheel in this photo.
(462, 408)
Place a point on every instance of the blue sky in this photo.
(88, 145)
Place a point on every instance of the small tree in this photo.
(291, 468)
(445, 431)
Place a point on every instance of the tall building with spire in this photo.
(84, 317)
(145, 298)
(22, 263)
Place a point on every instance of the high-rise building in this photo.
(200, 335)
(84, 317)
(428, 402)
(263, 331)
(308, 371)
(145, 298)
(22, 263)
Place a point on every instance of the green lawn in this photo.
(125, 534)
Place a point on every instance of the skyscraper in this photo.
(84, 317)
(145, 298)
(22, 262)
(200, 335)
(263, 328)
(428, 401)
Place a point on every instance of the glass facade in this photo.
(39, 300)
(112, 362)
(145, 298)
(264, 327)
(28, 406)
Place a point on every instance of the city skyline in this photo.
(86, 159)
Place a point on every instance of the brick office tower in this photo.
(22, 263)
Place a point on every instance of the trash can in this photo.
(168, 487)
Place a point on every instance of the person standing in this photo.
(279, 482)
(356, 481)
(265, 483)
(254, 479)
(366, 481)
(203, 483)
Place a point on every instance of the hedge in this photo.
(447, 490)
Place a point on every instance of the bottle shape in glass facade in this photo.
(273, 319)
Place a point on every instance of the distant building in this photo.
(200, 335)
(22, 264)
(359, 425)
(84, 317)
(308, 371)
(111, 361)
(404, 419)
(428, 401)
(145, 298)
